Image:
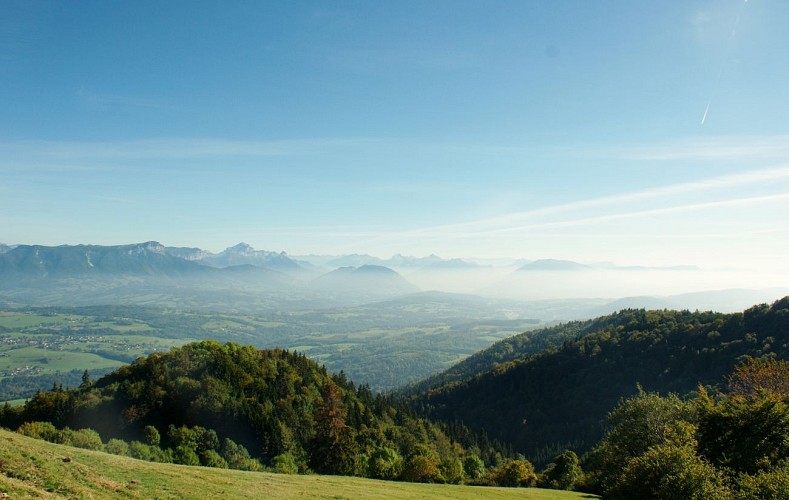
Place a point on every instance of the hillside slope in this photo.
(514, 348)
(31, 468)
(280, 406)
(558, 398)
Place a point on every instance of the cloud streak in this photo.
(164, 149)
(663, 201)
(764, 176)
(732, 148)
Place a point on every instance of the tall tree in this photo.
(334, 449)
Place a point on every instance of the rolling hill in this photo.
(371, 280)
(281, 407)
(547, 400)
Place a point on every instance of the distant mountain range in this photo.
(143, 259)
(243, 253)
(240, 276)
(149, 258)
(151, 273)
(397, 261)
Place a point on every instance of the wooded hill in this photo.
(210, 403)
(546, 401)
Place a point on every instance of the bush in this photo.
(744, 435)
(515, 473)
(421, 469)
(210, 458)
(237, 457)
(563, 474)
(385, 463)
(151, 436)
(474, 467)
(285, 463)
(140, 451)
(40, 430)
(768, 485)
(636, 424)
(452, 470)
(185, 455)
(88, 439)
(669, 472)
(150, 453)
(117, 447)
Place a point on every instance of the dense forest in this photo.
(654, 402)
(729, 444)
(556, 399)
(205, 403)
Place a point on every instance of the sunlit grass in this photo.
(33, 468)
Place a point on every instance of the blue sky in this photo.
(467, 129)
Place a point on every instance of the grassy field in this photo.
(31, 468)
(386, 345)
(36, 344)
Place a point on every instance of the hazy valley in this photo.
(504, 250)
(504, 379)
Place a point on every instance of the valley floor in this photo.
(31, 468)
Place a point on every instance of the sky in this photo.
(640, 133)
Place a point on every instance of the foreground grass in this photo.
(31, 468)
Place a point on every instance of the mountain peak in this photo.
(241, 248)
(154, 246)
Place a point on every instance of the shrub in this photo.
(474, 467)
(39, 430)
(744, 435)
(185, 455)
(151, 435)
(210, 458)
(87, 438)
(669, 472)
(452, 470)
(767, 485)
(151, 453)
(237, 457)
(385, 463)
(117, 447)
(515, 473)
(285, 463)
(421, 469)
(563, 474)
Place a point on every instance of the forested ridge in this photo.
(558, 398)
(511, 349)
(205, 401)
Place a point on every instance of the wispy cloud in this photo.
(663, 201)
(719, 148)
(764, 176)
(166, 149)
(736, 202)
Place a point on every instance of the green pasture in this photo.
(53, 361)
(14, 320)
(31, 468)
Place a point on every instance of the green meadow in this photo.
(382, 345)
(30, 468)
